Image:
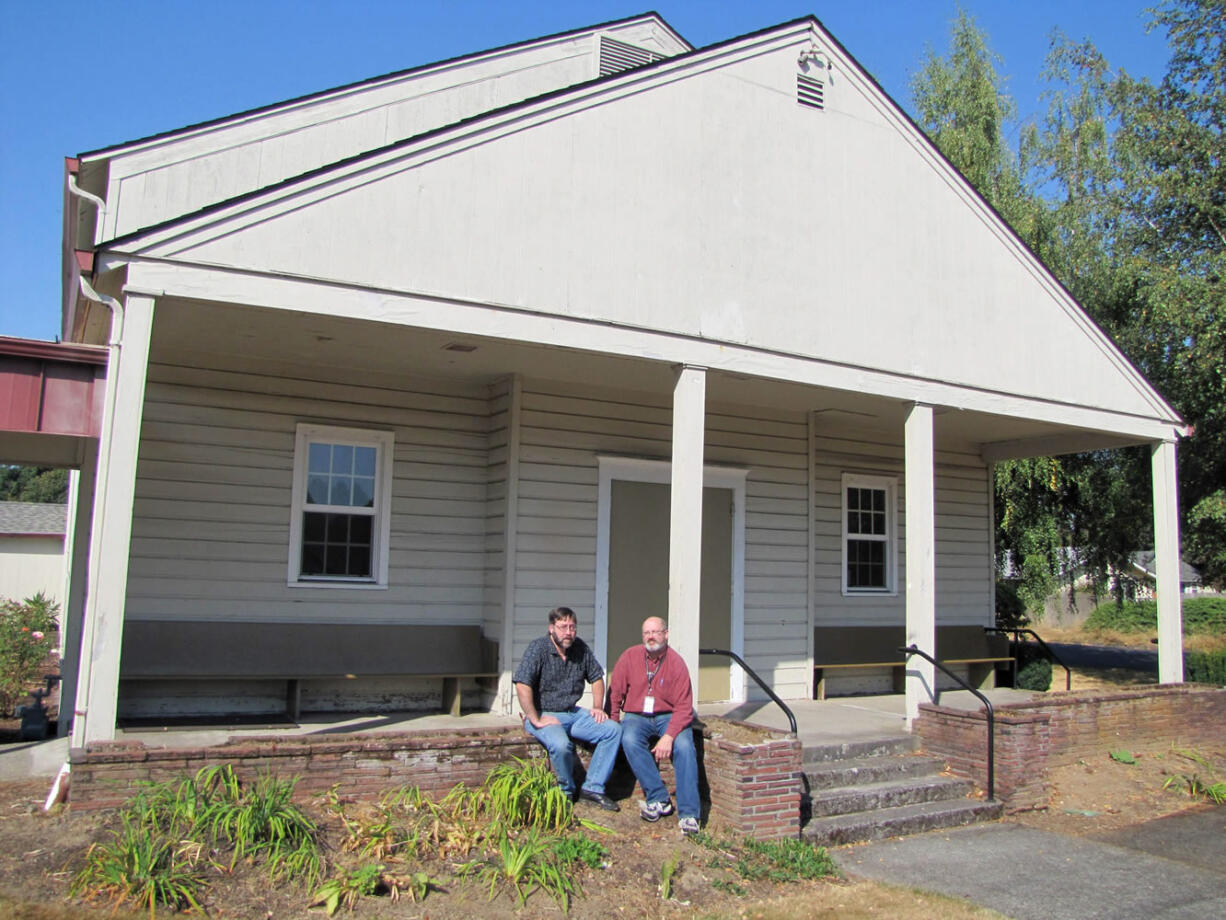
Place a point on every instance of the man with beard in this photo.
(548, 682)
(649, 693)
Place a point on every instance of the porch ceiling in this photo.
(337, 348)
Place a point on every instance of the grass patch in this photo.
(749, 860)
(1202, 616)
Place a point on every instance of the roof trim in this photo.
(393, 75)
(68, 352)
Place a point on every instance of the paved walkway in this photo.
(1169, 869)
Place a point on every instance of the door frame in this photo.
(636, 469)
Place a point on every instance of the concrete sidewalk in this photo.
(1029, 874)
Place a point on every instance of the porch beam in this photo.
(685, 519)
(111, 534)
(1166, 562)
(76, 570)
(920, 557)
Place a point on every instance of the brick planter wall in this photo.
(1061, 728)
(754, 788)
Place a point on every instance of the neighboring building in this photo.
(455, 345)
(31, 550)
(1145, 573)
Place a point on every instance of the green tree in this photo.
(33, 484)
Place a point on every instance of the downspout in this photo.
(99, 203)
(85, 658)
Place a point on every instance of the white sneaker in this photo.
(654, 811)
(688, 826)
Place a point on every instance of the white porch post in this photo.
(1166, 562)
(76, 571)
(110, 536)
(685, 522)
(920, 557)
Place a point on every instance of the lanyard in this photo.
(651, 673)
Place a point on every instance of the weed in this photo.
(525, 865)
(415, 885)
(1123, 756)
(141, 868)
(727, 887)
(792, 859)
(525, 794)
(1198, 788)
(348, 887)
(667, 871)
(578, 848)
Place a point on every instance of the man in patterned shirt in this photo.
(548, 682)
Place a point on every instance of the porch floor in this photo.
(831, 721)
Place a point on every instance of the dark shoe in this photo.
(598, 798)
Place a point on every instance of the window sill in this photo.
(348, 585)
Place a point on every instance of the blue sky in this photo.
(77, 76)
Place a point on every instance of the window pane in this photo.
(359, 561)
(312, 559)
(363, 492)
(317, 489)
(359, 529)
(337, 545)
(364, 461)
(853, 499)
(866, 564)
(338, 528)
(878, 500)
(336, 558)
(340, 490)
(342, 459)
(313, 527)
(319, 458)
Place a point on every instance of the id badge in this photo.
(649, 705)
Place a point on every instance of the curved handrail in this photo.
(750, 671)
(1047, 649)
(910, 650)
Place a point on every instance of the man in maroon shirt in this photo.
(649, 693)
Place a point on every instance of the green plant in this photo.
(26, 639)
(728, 887)
(792, 859)
(1123, 756)
(417, 885)
(525, 865)
(348, 887)
(667, 871)
(143, 868)
(1198, 788)
(524, 793)
(578, 848)
(1200, 616)
(1033, 669)
(1208, 667)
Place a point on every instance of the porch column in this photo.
(1166, 562)
(685, 521)
(920, 556)
(76, 571)
(110, 537)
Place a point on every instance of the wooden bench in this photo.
(846, 647)
(293, 652)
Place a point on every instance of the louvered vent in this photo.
(809, 91)
(617, 56)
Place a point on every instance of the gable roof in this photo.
(190, 237)
(393, 75)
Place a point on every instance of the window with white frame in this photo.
(869, 534)
(341, 515)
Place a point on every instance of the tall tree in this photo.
(33, 484)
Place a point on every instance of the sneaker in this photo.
(688, 826)
(654, 811)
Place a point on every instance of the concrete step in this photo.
(836, 773)
(898, 821)
(876, 797)
(873, 747)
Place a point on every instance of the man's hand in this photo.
(598, 715)
(663, 749)
(542, 721)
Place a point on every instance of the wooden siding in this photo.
(964, 589)
(564, 429)
(211, 519)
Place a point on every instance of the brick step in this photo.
(904, 819)
(879, 796)
(837, 773)
(874, 747)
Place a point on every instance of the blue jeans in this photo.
(578, 723)
(637, 734)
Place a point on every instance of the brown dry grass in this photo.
(1076, 635)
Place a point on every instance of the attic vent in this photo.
(617, 56)
(810, 91)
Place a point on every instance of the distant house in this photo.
(597, 319)
(31, 549)
(1144, 571)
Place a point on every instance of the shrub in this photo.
(1033, 669)
(1205, 667)
(1201, 616)
(27, 631)
(1010, 609)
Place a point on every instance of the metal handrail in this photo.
(910, 650)
(1047, 649)
(750, 671)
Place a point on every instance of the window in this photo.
(341, 506)
(869, 543)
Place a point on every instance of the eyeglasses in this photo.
(565, 627)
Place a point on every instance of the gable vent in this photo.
(617, 56)
(810, 91)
